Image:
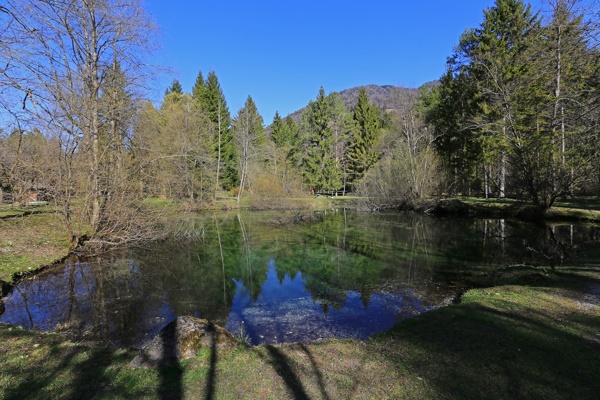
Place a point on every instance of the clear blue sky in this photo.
(282, 52)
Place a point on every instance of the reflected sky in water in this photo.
(349, 275)
(286, 312)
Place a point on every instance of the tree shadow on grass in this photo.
(162, 353)
(212, 368)
(481, 352)
(170, 374)
(318, 374)
(33, 379)
(65, 370)
(282, 364)
(50, 367)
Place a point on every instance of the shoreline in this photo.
(442, 345)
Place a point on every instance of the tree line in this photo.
(516, 113)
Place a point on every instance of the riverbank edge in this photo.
(545, 310)
(493, 208)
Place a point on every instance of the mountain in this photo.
(387, 97)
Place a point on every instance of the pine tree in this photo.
(213, 102)
(283, 132)
(277, 130)
(343, 127)
(199, 87)
(361, 153)
(499, 53)
(447, 108)
(555, 158)
(316, 149)
(175, 88)
(291, 131)
(517, 103)
(489, 81)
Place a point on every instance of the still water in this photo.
(262, 276)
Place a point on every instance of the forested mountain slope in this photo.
(386, 97)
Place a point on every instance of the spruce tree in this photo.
(199, 87)
(213, 102)
(283, 132)
(175, 88)
(277, 130)
(361, 152)
(291, 131)
(316, 150)
(498, 56)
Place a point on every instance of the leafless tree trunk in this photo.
(60, 57)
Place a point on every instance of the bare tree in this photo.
(60, 56)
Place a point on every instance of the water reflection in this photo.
(350, 275)
(286, 312)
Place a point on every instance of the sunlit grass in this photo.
(30, 241)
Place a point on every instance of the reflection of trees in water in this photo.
(84, 298)
(324, 294)
(124, 293)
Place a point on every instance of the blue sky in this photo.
(282, 52)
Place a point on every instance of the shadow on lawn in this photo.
(63, 370)
(482, 352)
(282, 364)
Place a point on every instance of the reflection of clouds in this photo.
(286, 312)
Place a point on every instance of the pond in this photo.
(271, 280)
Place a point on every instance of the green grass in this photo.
(585, 209)
(539, 340)
(491, 202)
(30, 239)
(585, 203)
(573, 214)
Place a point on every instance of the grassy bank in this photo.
(526, 340)
(29, 238)
(586, 209)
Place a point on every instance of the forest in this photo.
(515, 115)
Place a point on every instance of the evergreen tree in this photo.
(361, 152)
(316, 152)
(486, 101)
(283, 132)
(175, 88)
(277, 130)
(213, 102)
(516, 104)
(291, 131)
(342, 126)
(499, 57)
(555, 158)
(199, 87)
(447, 107)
